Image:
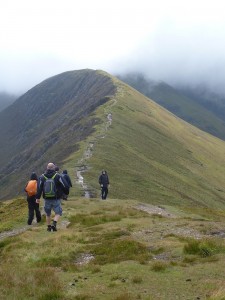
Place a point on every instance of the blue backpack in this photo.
(49, 187)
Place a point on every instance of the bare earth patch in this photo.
(152, 210)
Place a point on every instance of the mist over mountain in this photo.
(198, 106)
(6, 100)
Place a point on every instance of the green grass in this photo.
(12, 213)
(154, 157)
(204, 248)
(134, 264)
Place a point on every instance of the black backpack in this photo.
(49, 187)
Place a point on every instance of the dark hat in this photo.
(33, 176)
(64, 171)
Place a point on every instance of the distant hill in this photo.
(192, 105)
(150, 154)
(214, 102)
(6, 100)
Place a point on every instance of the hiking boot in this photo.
(49, 228)
(54, 228)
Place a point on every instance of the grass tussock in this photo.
(119, 250)
(204, 248)
(89, 220)
(16, 208)
(137, 279)
(124, 296)
(218, 294)
(22, 283)
(159, 266)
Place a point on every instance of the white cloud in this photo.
(168, 39)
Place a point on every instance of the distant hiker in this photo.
(68, 180)
(104, 184)
(56, 169)
(49, 185)
(31, 190)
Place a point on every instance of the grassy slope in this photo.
(136, 255)
(188, 109)
(153, 156)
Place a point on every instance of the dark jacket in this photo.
(67, 178)
(60, 183)
(104, 180)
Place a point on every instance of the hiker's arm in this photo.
(70, 182)
(39, 189)
(64, 185)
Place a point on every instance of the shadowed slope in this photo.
(47, 122)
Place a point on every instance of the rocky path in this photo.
(82, 163)
(62, 225)
(13, 232)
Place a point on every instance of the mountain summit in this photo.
(150, 154)
(47, 123)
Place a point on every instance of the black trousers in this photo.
(33, 207)
(104, 192)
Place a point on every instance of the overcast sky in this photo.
(176, 41)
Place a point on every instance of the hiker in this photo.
(31, 190)
(104, 184)
(68, 180)
(49, 185)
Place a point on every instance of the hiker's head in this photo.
(33, 176)
(104, 172)
(51, 166)
(64, 171)
(56, 168)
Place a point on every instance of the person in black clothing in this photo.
(53, 202)
(68, 180)
(32, 205)
(104, 183)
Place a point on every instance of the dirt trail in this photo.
(82, 163)
(62, 225)
(152, 210)
(13, 232)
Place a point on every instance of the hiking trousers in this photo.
(33, 207)
(104, 192)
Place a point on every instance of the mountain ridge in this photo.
(41, 126)
(150, 153)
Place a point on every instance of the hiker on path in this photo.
(49, 185)
(31, 190)
(104, 184)
(68, 180)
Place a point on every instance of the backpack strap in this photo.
(53, 177)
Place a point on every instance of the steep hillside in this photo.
(213, 101)
(6, 100)
(47, 123)
(153, 156)
(190, 105)
(150, 154)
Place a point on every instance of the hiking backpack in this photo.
(31, 188)
(49, 187)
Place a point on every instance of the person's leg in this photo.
(102, 192)
(47, 209)
(30, 211)
(37, 212)
(58, 212)
(106, 192)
